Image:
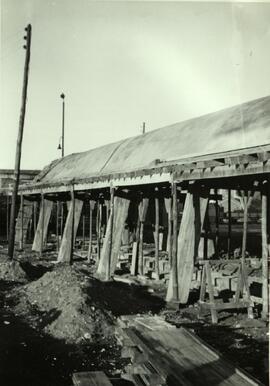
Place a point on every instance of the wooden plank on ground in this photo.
(182, 358)
(91, 378)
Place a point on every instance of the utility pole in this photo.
(63, 124)
(27, 47)
(143, 128)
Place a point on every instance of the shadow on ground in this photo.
(124, 299)
(30, 358)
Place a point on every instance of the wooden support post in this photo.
(211, 293)
(7, 217)
(229, 222)
(246, 201)
(217, 224)
(92, 204)
(43, 222)
(140, 260)
(98, 221)
(57, 225)
(71, 226)
(73, 234)
(83, 230)
(206, 228)
(62, 219)
(188, 241)
(143, 207)
(157, 235)
(265, 275)
(174, 242)
(245, 224)
(107, 204)
(35, 218)
(243, 277)
(168, 206)
(110, 249)
(110, 225)
(22, 223)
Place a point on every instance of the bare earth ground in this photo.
(55, 320)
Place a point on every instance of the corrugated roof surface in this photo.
(238, 127)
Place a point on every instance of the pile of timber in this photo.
(224, 274)
(161, 354)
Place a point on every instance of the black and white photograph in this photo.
(134, 193)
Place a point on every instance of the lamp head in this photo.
(62, 96)
(59, 147)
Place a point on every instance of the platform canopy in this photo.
(239, 135)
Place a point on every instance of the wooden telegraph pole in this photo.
(27, 47)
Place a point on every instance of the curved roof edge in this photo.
(236, 130)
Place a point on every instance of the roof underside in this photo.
(239, 127)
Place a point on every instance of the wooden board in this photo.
(188, 243)
(112, 240)
(27, 215)
(64, 254)
(91, 378)
(43, 222)
(182, 358)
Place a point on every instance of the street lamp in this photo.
(61, 145)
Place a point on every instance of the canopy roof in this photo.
(234, 129)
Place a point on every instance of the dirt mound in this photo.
(58, 304)
(11, 270)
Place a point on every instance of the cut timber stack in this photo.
(161, 354)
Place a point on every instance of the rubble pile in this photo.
(11, 270)
(59, 305)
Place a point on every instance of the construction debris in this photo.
(59, 305)
(11, 270)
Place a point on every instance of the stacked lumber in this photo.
(161, 354)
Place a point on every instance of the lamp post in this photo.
(61, 146)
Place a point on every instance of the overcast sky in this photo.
(122, 63)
